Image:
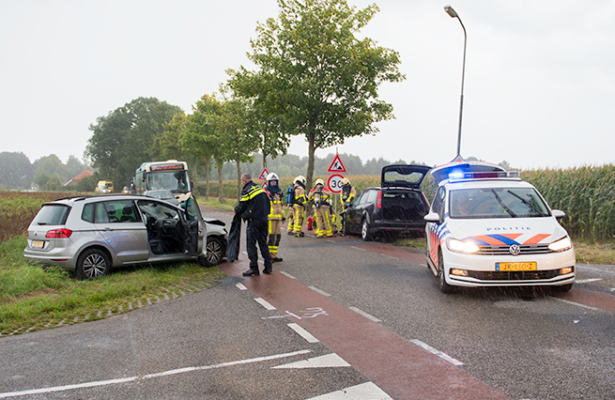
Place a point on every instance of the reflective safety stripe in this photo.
(256, 190)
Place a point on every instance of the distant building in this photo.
(76, 179)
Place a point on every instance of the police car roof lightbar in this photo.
(461, 175)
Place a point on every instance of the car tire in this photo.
(215, 251)
(562, 288)
(365, 234)
(444, 287)
(92, 263)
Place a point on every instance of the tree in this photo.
(204, 137)
(15, 170)
(50, 168)
(125, 138)
(238, 141)
(314, 71)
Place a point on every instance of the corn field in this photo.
(585, 194)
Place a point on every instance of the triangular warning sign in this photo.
(264, 174)
(337, 165)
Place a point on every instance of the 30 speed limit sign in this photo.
(335, 183)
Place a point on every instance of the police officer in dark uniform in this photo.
(254, 207)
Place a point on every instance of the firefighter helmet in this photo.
(300, 179)
(345, 181)
(273, 183)
(319, 182)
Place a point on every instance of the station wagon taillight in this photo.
(379, 201)
(59, 233)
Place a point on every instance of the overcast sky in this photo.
(539, 84)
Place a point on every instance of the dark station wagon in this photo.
(396, 207)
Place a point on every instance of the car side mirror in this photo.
(432, 217)
(558, 214)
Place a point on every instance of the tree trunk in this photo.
(239, 187)
(311, 151)
(220, 191)
(207, 176)
(195, 177)
(264, 160)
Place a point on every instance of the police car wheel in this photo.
(444, 287)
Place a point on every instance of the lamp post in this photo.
(450, 11)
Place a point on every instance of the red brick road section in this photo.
(396, 365)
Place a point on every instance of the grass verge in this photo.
(33, 297)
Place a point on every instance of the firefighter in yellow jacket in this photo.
(276, 215)
(300, 205)
(290, 213)
(347, 196)
(321, 198)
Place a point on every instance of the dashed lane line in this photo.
(576, 304)
(264, 303)
(319, 291)
(363, 313)
(437, 352)
(303, 333)
(288, 275)
(150, 376)
(587, 280)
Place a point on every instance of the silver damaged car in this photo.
(92, 234)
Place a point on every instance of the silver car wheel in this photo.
(214, 251)
(92, 264)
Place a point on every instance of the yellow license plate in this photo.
(38, 244)
(519, 266)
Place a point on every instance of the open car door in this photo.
(196, 227)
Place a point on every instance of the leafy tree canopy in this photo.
(15, 170)
(125, 138)
(314, 70)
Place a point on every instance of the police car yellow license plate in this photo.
(517, 266)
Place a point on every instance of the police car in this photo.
(487, 227)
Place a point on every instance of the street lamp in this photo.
(449, 10)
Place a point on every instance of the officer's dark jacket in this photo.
(254, 203)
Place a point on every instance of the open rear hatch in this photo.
(403, 176)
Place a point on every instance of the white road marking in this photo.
(588, 280)
(438, 353)
(357, 248)
(326, 361)
(303, 333)
(319, 291)
(577, 304)
(288, 275)
(364, 391)
(363, 313)
(241, 286)
(264, 303)
(149, 376)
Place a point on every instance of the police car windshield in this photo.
(497, 203)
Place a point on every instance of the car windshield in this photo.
(497, 203)
(52, 214)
